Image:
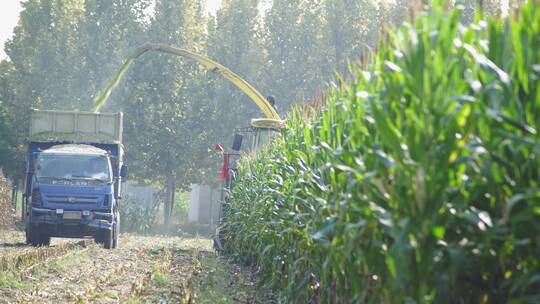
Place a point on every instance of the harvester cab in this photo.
(262, 132)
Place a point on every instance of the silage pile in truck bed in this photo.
(73, 137)
(5, 202)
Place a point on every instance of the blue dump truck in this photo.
(74, 169)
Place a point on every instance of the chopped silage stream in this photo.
(144, 269)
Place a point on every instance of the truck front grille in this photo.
(66, 199)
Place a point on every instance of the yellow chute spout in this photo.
(268, 110)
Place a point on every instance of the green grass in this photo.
(63, 264)
(161, 279)
(110, 294)
(417, 182)
(214, 287)
(200, 277)
(12, 280)
(217, 284)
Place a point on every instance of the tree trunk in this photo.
(173, 198)
(170, 199)
(16, 198)
(14, 195)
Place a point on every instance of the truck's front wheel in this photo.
(29, 236)
(36, 239)
(116, 231)
(109, 238)
(105, 237)
(43, 240)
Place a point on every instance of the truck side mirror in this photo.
(123, 171)
(237, 143)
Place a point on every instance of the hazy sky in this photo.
(9, 14)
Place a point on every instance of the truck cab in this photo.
(72, 187)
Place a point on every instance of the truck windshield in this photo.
(73, 167)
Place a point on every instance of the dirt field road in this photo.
(142, 270)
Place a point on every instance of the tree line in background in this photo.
(63, 52)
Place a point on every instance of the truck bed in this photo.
(75, 127)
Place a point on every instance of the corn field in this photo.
(416, 182)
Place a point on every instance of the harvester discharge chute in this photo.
(263, 128)
(268, 110)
